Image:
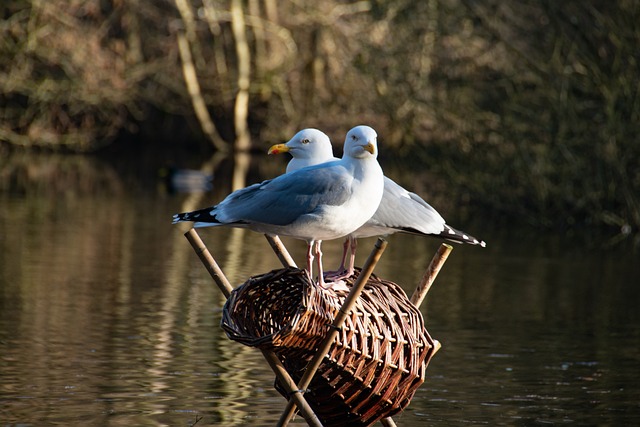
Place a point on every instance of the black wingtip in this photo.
(206, 215)
(458, 236)
(184, 216)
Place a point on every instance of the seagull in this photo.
(321, 202)
(399, 211)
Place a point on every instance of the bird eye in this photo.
(354, 137)
(306, 141)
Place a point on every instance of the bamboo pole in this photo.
(428, 278)
(388, 422)
(286, 260)
(278, 368)
(420, 293)
(430, 274)
(342, 314)
(280, 250)
(210, 264)
(290, 385)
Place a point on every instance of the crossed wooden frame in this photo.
(296, 390)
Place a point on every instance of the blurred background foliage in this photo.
(529, 109)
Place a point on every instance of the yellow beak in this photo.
(370, 148)
(278, 148)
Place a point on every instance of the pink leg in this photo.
(333, 283)
(318, 255)
(310, 258)
(345, 248)
(342, 268)
(352, 257)
(339, 276)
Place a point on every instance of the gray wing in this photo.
(284, 199)
(401, 210)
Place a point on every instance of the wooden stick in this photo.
(420, 293)
(210, 264)
(280, 250)
(342, 314)
(388, 422)
(289, 384)
(278, 368)
(430, 274)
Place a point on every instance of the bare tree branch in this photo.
(199, 106)
(241, 110)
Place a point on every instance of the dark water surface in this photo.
(107, 317)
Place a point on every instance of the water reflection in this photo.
(108, 318)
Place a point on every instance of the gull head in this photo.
(306, 144)
(361, 142)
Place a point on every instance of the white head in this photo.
(308, 147)
(361, 141)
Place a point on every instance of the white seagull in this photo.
(399, 210)
(321, 202)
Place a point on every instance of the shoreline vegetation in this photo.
(529, 112)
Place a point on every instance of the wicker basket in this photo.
(373, 368)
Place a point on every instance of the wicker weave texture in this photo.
(373, 368)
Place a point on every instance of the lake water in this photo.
(107, 317)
